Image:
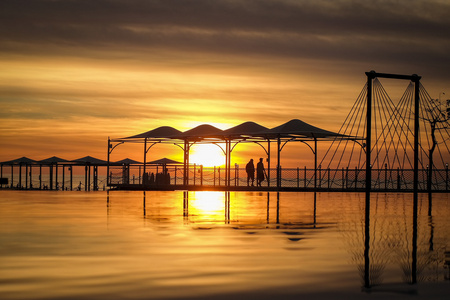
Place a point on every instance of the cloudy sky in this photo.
(73, 72)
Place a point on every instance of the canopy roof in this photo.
(160, 132)
(18, 161)
(293, 129)
(201, 131)
(246, 129)
(165, 161)
(128, 161)
(52, 160)
(90, 160)
(300, 128)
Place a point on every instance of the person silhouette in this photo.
(250, 169)
(260, 172)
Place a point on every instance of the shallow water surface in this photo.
(219, 245)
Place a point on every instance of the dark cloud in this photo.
(400, 32)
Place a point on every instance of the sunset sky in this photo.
(74, 72)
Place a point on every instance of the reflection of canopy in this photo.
(22, 160)
(165, 161)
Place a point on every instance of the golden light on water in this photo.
(207, 206)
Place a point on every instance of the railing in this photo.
(300, 178)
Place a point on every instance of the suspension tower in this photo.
(414, 78)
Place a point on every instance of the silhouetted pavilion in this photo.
(248, 132)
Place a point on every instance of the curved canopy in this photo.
(246, 129)
(52, 160)
(22, 160)
(298, 127)
(165, 161)
(202, 131)
(128, 161)
(90, 160)
(160, 132)
(293, 129)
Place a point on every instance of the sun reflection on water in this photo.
(207, 206)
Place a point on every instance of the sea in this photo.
(223, 245)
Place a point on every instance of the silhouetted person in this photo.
(260, 172)
(250, 169)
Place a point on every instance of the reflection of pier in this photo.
(239, 210)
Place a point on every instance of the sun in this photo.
(208, 155)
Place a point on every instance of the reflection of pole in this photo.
(315, 207)
(144, 204)
(227, 207)
(367, 244)
(185, 204)
(414, 242)
(268, 203)
(278, 207)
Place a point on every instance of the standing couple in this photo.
(260, 172)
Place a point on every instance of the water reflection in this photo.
(390, 241)
(237, 245)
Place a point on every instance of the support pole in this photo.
(71, 177)
(20, 175)
(107, 166)
(51, 176)
(26, 176)
(416, 132)
(315, 164)
(278, 162)
(56, 176)
(370, 77)
(268, 162)
(145, 161)
(40, 176)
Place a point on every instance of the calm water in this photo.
(217, 245)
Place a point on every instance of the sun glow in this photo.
(208, 155)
